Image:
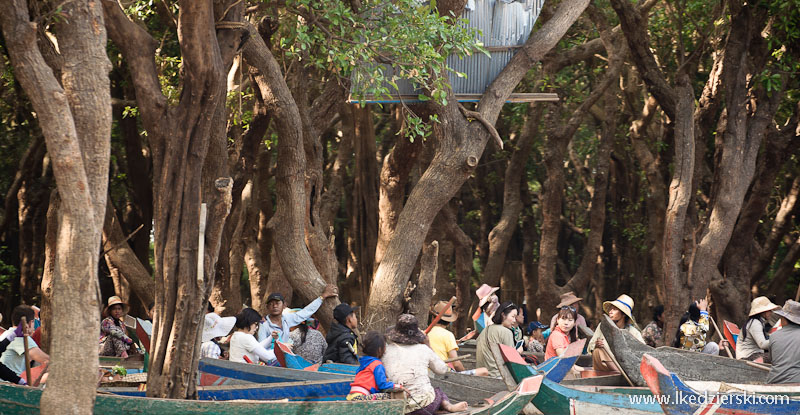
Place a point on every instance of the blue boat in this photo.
(293, 391)
(678, 398)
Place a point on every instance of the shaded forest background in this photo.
(692, 97)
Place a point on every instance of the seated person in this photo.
(568, 299)
(371, 378)
(753, 341)
(653, 333)
(307, 341)
(342, 341)
(214, 328)
(244, 346)
(785, 346)
(497, 333)
(14, 355)
(443, 341)
(536, 341)
(487, 306)
(693, 328)
(7, 374)
(620, 311)
(407, 360)
(114, 340)
(562, 335)
(279, 323)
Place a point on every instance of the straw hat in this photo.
(623, 303)
(760, 305)
(114, 300)
(790, 311)
(216, 326)
(449, 316)
(568, 298)
(484, 292)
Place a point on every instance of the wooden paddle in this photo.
(24, 323)
(441, 313)
(727, 349)
(457, 358)
(614, 359)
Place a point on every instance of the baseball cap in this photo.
(343, 310)
(275, 296)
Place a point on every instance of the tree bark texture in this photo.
(422, 295)
(119, 255)
(76, 122)
(50, 240)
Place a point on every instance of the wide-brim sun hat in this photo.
(790, 311)
(484, 292)
(449, 315)
(406, 331)
(216, 326)
(624, 303)
(760, 305)
(114, 300)
(567, 299)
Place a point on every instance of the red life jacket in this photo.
(365, 380)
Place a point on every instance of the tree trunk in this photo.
(119, 255)
(50, 241)
(463, 248)
(76, 122)
(679, 196)
(500, 236)
(289, 220)
(423, 293)
(364, 220)
(257, 237)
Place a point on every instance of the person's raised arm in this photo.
(312, 307)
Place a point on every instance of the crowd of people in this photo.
(401, 358)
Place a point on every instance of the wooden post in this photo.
(727, 349)
(441, 313)
(24, 323)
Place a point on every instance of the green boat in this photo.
(22, 400)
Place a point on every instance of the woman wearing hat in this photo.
(114, 339)
(407, 360)
(753, 342)
(620, 311)
(214, 328)
(487, 306)
(568, 299)
(443, 341)
(785, 345)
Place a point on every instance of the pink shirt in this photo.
(557, 340)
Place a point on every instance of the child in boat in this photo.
(562, 335)
(244, 346)
(214, 328)
(536, 341)
(371, 376)
(753, 341)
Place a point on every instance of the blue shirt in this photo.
(288, 320)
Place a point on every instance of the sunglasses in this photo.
(568, 307)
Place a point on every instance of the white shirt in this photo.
(288, 320)
(243, 344)
(14, 357)
(210, 349)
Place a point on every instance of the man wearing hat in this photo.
(568, 299)
(342, 340)
(278, 324)
(620, 311)
(785, 345)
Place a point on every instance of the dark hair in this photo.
(210, 307)
(766, 327)
(684, 318)
(657, 312)
(374, 344)
(566, 312)
(20, 311)
(694, 312)
(246, 318)
(303, 332)
(502, 311)
(150, 307)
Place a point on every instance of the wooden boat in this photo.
(687, 364)
(731, 332)
(678, 398)
(470, 389)
(287, 358)
(557, 399)
(21, 400)
(556, 368)
(295, 391)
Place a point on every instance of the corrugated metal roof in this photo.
(504, 25)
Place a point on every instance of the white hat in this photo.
(216, 326)
(760, 305)
(623, 303)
